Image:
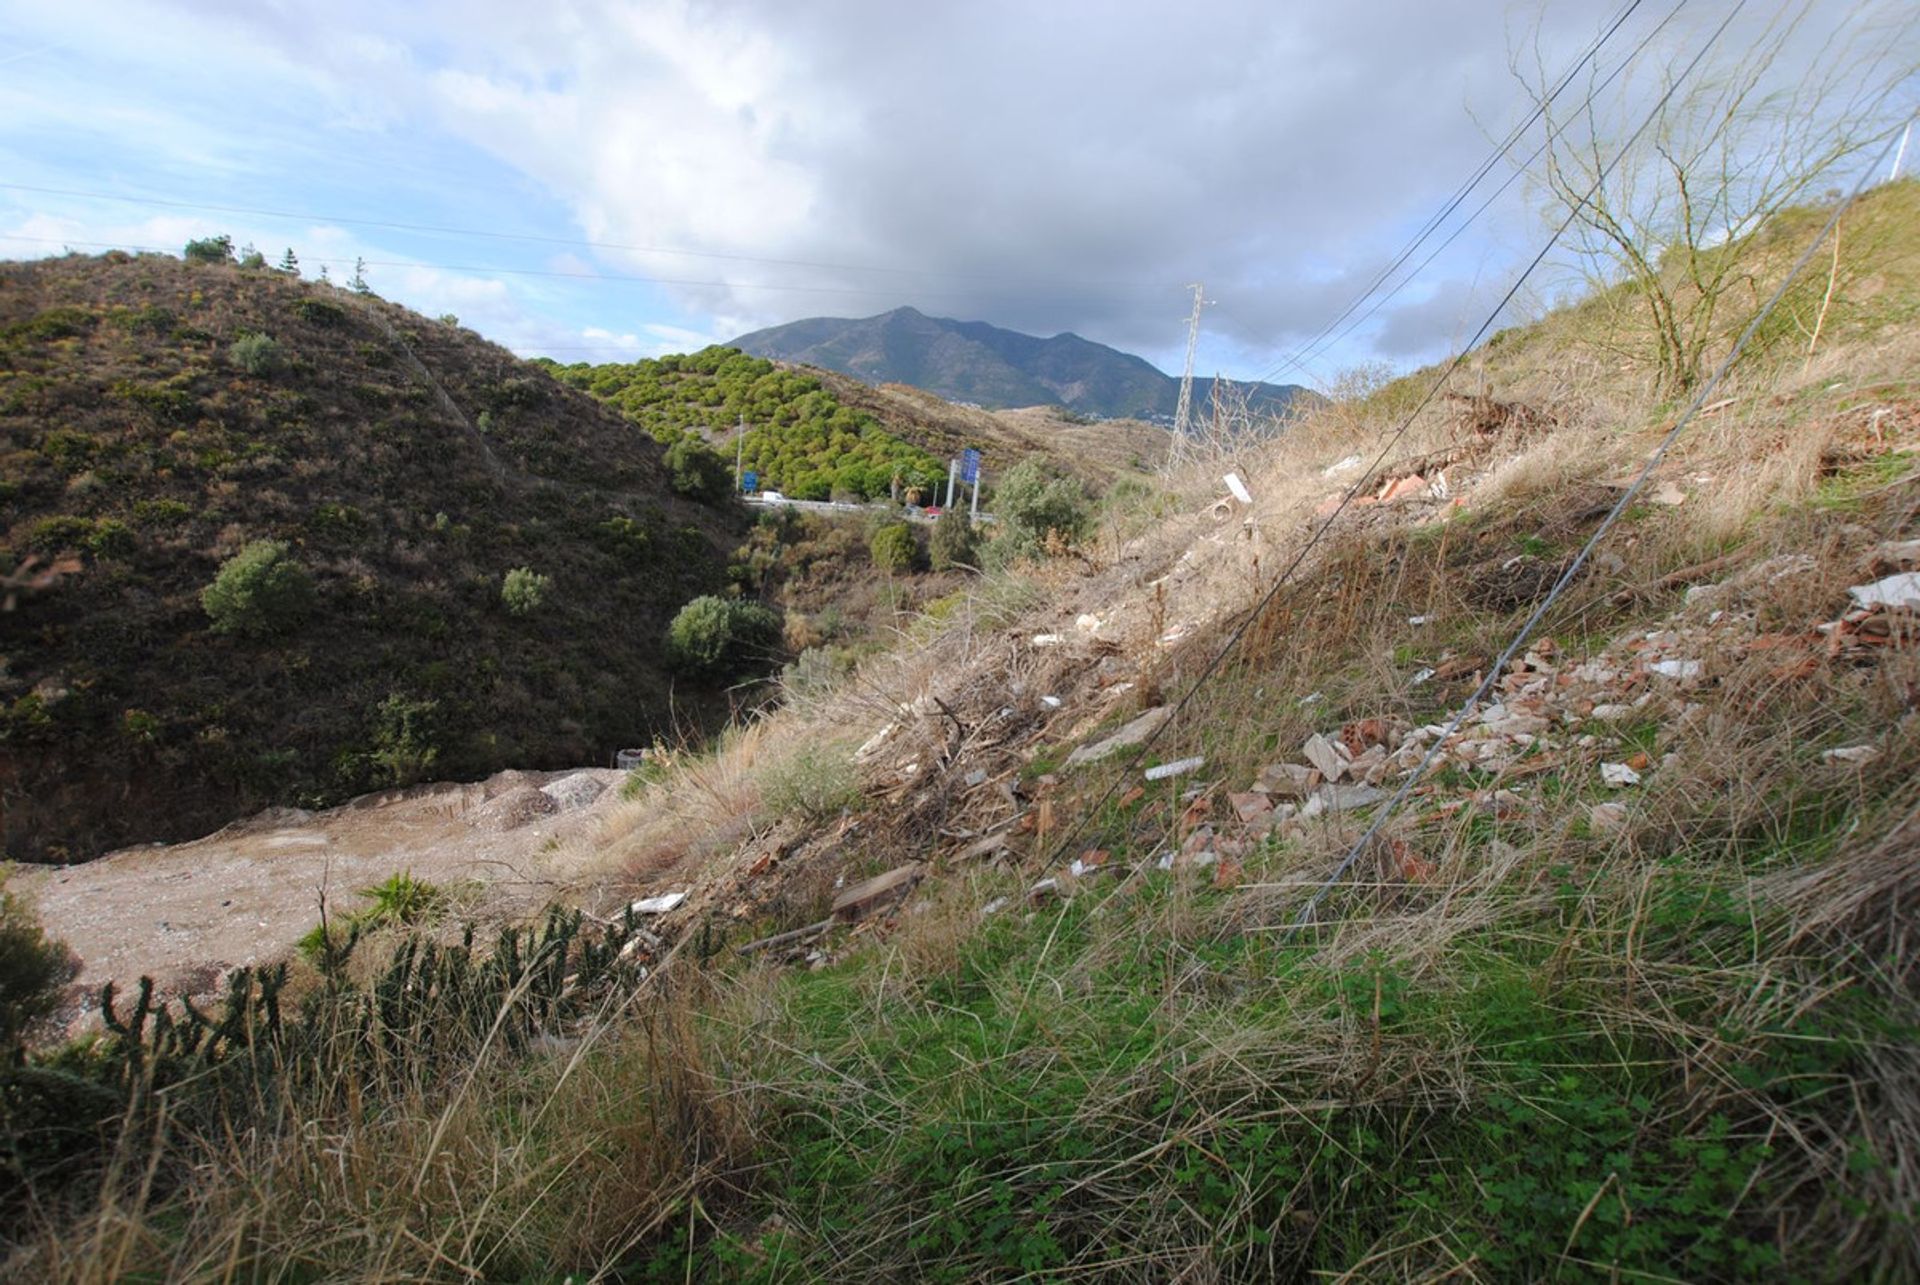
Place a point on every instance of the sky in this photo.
(603, 181)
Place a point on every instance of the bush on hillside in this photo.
(213, 249)
(255, 354)
(953, 543)
(260, 590)
(523, 590)
(1036, 509)
(893, 548)
(33, 971)
(696, 471)
(719, 637)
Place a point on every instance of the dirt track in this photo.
(186, 913)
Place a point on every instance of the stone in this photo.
(1126, 738)
(1288, 779)
(1319, 751)
(1858, 755)
(1677, 669)
(1611, 713)
(658, 905)
(1250, 807)
(1618, 775)
(1901, 591)
(1344, 798)
(1604, 818)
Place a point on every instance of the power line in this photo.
(1620, 506)
(1266, 599)
(1453, 203)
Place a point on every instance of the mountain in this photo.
(159, 417)
(971, 361)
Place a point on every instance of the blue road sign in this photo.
(970, 465)
(749, 481)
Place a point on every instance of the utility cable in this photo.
(1620, 506)
(1447, 208)
(1266, 599)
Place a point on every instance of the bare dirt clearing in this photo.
(187, 913)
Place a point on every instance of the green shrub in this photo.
(893, 548)
(54, 323)
(259, 590)
(59, 532)
(694, 470)
(255, 354)
(720, 636)
(523, 589)
(817, 782)
(1036, 511)
(953, 543)
(405, 738)
(213, 249)
(319, 312)
(110, 538)
(33, 971)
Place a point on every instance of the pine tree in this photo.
(359, 283)
(289, 263)
(325, 278)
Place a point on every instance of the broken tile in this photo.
(1251, 806)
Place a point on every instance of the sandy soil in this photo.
(184, 914)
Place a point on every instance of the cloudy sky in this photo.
(595, 181)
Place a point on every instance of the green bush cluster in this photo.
(34, 972)
(523, 589)
(213, 249)
(721, 637)
(260, 590)
(953, 544)
(893, 548)
(801, 439)
(697, 472)
(1036, 509)
(256, 354)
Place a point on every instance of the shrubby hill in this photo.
(448, 562)
(800, 439)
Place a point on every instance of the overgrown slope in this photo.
(1625, 988)
(407, 466)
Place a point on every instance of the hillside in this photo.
(1098, 451)
(407, 467)
(799, 438)
(971, 361)
(1460, 867)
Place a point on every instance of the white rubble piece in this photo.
(1901, 591)
(1858, 755)
(1319, 751)
(1048, 640)
(1179, 767)
(1088, 623)
(872, 744)
(1618, 775)
(1126, 738)
(1344, 466)
(1677, 669)
(1239, 488)
(1051, 702)
(659, 905)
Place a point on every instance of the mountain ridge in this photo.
(980, 363)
